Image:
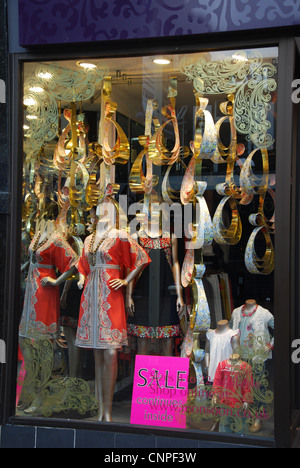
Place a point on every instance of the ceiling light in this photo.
(31, 117)
(45, 75)
(87, 65)
(29, 102)
(36, 89)
(240, 58)
(162, 61)
(26, 127)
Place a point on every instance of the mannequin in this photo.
(219, 346)
(162, 323)
(108, 253)
(240, 383)
(233, 387)
(253, 322)
(256, 343)
(41, 311)
(47, 251)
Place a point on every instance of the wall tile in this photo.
(55, 438)
(134, 441)
(94, 439)
(17, 437)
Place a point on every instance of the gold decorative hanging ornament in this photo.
(119, 151)
(138, 181)
(160, 154)
(229, 232)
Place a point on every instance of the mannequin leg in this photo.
(74, 352)
(143, 346)
(106, 372)
(166, 346)
(110, 373)
(98, 356)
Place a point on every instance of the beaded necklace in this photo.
(93, 250)
(251, 313)
(38, 245)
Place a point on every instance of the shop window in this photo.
(148, 241)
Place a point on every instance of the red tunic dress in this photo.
(102, 318)
(41, 311)
(233, 384)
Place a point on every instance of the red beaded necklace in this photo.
(251, 313)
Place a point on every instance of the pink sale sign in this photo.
(160, 391)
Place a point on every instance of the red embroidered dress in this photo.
(233, 384)
(41, 311)
(102, 318)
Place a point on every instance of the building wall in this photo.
(46, 437)
(4, 169)
(65, 22)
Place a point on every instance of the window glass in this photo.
(148, 241)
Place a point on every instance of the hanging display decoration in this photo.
(263, 226)
(192, 191)
(138, 181)
(227, 154)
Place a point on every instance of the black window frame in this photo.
(287, 220)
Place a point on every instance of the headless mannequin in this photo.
(233, 361)
(165, 344)
(44, 230)
(106, 360)
(222, 327)
(250, 306)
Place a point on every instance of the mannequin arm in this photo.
(176, 274)
(129, 301)
(207, 355)
(25, 265)
(64, 295)
(119, 283)
(270, 345)
(57, 282)
(235, 343)
(81, 281)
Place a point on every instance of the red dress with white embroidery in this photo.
(41, 311)
(233, 384)
(102, 317)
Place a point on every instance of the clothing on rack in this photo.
(219, 297)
